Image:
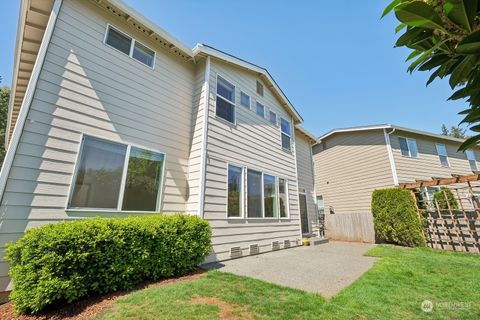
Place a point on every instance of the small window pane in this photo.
(285, 141)
(269, 191)
(234, 191)
(254, 194)
(282, 197)
(259, 88)
(404, 147)
(442, 154)
(272, 117)
(285, 126)
(99, 175)
(245, 100)
(143, 180)
(473, 165)
(225, 110)
(472, 160)
(119, 41)
(412, 146)
(225, 89)
(261, 110)
(143, 54)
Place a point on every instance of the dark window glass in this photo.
(269, 191)
(234, 191)
(225, 110)
(272, 117)
(119, 41)
(282, 197)
(285, 141)
(261, 110)
(285, 126)
(404, 147)
(254, 194)
(143, 54)
(225, 89)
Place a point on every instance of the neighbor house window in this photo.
(269, 195)
(254, 194)
(472, 160)
(114, 176)
(272, 117)
(244, 99)
(235, 178)
(442, 154)
(408, 147)
(286, 133)
(282, 197)
(131, 47)
(259, 88)
(225, 100)
(260, 110)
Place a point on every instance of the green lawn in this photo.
(393, 289)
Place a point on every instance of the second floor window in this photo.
(272, 117)
(472, 160)
(225, 108)
(286, 133)
(244, 99)
(260, 110)
(408, 147)
(442, 154)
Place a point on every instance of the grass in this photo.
(393, 289)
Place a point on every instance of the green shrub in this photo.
(439, 197)
(395, 217)
(63, 262)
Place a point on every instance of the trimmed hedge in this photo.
(63, 262)
(395, 217)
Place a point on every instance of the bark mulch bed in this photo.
(88, 308)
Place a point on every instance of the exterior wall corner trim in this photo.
(390, 156)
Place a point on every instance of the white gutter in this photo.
(390, 155)
(27, 100)
(203, 159)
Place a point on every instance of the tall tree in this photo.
(444, 38)
(4, 97)
(455, 131)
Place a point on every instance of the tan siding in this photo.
(427, 164)
(350, 168)
(252, 142)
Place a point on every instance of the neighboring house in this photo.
(350, 163)
(110, 114)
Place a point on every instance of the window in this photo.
(129, 46)
(269, 195)
(286, 133)
(260, 110)
(244, 99)
(225, 100)
(282, 197)
(272, 117)
(320, 205)
(408, 147)
(472, 160)
(442, 154)
(235, 178)
(254, 194)
(107, 170)
(259, 88)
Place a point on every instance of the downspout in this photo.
(390, 155)
(203, 159)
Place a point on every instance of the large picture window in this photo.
(235, 183)
(225, 108)
(286, 133)
(114, 176)
(254, 194)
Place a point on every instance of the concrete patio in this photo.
(325, 269)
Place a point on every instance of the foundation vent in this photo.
(254, 249)
(286, 244)
(235, 252)
(275, 245)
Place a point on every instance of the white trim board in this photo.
(390, 156)
(203, 159)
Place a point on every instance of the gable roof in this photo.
(388, 126)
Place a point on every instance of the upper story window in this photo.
(225, 108)
(259, 88)
(114, 176)
(472, 160)
(442, 154)
(272, 117)
(131, 47)
(408, 147)
(244, 99)
(260, 110)
(285, 126)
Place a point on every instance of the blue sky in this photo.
(334, 60)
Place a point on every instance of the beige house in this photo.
(350, 163)
(110, 115)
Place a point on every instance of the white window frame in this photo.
(287, 195)
(123, 181)
(132, 45)
(256, 109)
(472, 158)
(276, 117)
(441, 145)
(288, 135)
(249, 100)
(234, 123)
(242, 194)
(408, 140)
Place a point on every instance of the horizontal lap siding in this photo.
(427, 165)
(305, 176)
(350, 168)
(86, 87)
(252, 142)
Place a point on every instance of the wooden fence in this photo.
(355, 227)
